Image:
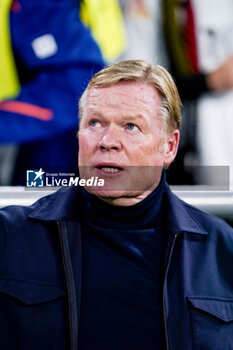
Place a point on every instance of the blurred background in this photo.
(49, 50)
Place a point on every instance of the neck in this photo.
(145, 212)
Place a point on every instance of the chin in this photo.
(107, 193)
(119, 198)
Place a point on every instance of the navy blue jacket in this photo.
(40, 276)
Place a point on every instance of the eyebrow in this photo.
(138, 117)
(127, 118)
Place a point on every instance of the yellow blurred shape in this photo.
(9, 83)
(105, 20)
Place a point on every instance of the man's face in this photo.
(122, 140)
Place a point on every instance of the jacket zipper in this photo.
(164, 284)
(67, 263)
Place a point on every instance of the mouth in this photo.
(109, 168)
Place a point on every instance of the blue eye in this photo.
(94, 123)
(132, 127)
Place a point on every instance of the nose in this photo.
(110, 140)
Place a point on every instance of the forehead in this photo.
(129, 95)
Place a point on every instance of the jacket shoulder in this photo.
(208, 221)
(17, 214)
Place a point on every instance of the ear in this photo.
(171, 146)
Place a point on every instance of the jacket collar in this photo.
(65, 203)
(179, 218)
(61, 205)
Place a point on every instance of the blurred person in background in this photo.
(193, 40)
(200, 47)
(47, 56)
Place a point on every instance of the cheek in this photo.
(150, 154)
(85, 147)
(161, 148)
(83, 140)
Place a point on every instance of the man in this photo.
(126, 265)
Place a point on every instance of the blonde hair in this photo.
(141, 71)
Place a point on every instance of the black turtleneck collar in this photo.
(145, 214)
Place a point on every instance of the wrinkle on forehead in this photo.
(136, 93)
